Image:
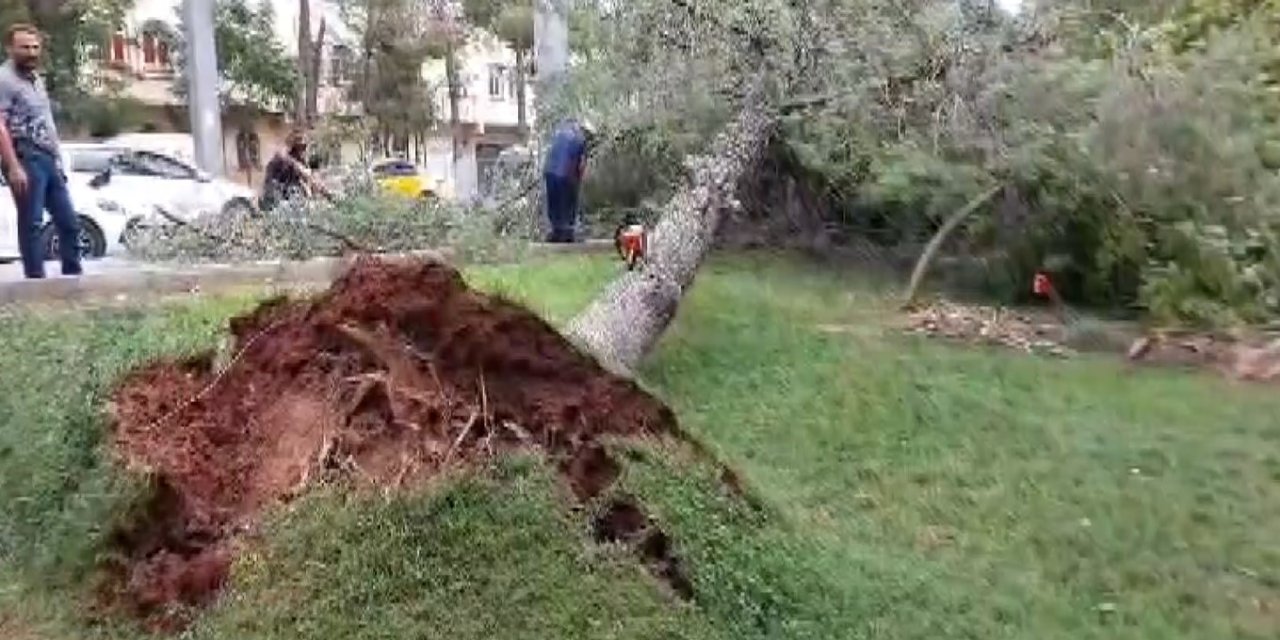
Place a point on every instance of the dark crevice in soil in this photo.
(623, 521)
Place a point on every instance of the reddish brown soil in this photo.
(396, 372)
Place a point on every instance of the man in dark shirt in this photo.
(36, 180)
(566, 165)
(286, 176)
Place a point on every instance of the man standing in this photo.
(36, 179)
(566, 165)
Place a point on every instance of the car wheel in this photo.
(93, 243)
(239, 208)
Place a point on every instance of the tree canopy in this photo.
(255, 67)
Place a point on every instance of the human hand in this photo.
(18, 183)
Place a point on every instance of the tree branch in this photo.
(935, 243)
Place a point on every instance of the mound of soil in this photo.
(398, 371)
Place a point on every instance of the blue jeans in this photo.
(562, 207)
(46, 187)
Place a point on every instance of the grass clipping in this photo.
(395, 374)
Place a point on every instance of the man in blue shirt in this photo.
(566, 163)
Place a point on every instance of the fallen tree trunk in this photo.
(935, 243)
(625, 321)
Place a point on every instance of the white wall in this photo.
(479, 105)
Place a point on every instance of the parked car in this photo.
(400, 176)
(142, 179)
(102, 224)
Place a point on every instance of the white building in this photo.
(139, 57)
(488, 111)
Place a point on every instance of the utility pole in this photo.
(202, 90)
(550, 43)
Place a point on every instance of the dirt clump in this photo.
(396, 372)
(1253, 358)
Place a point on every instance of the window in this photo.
(496, 75)
(116, 52)
(145, 163)
(339, 65)
(155, 51)
(395, 169)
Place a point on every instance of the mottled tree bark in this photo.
(627, 319)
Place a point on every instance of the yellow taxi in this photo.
(402, 177)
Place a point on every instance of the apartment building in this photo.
(488, 111)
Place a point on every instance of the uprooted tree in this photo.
(621, 325)
(1134, 149)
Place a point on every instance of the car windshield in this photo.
(395, 170)
(155, 164)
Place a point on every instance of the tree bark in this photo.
(627, 319)
(309, 63)
(455, 125)
(522, 82)
(935, 243)
(301, 111)
(313, 74)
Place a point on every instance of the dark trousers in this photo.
(562, 207)
(46, 188)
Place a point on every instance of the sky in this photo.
(1012, 6)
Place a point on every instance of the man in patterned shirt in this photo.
(36, 179)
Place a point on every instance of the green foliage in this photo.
(256, 68)
(364, 215)
(397, 37)
(106, 116)
(75, 33)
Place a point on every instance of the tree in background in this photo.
(76, 34)
(396, 39)
(309, 60)
(255, 68)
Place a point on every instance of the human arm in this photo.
(307, 176)
(13, 167)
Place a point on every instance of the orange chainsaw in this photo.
(631, 240)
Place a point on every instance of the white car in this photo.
(142, 180)
(102, 225)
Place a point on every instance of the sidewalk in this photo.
(114, 276)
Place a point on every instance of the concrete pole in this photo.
(202, 90)
(550, 43)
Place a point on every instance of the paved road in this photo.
(12, 271)
(115, 275)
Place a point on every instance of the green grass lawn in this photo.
(911, 489)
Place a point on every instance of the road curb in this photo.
(166, 279)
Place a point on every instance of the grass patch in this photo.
(911, 489)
